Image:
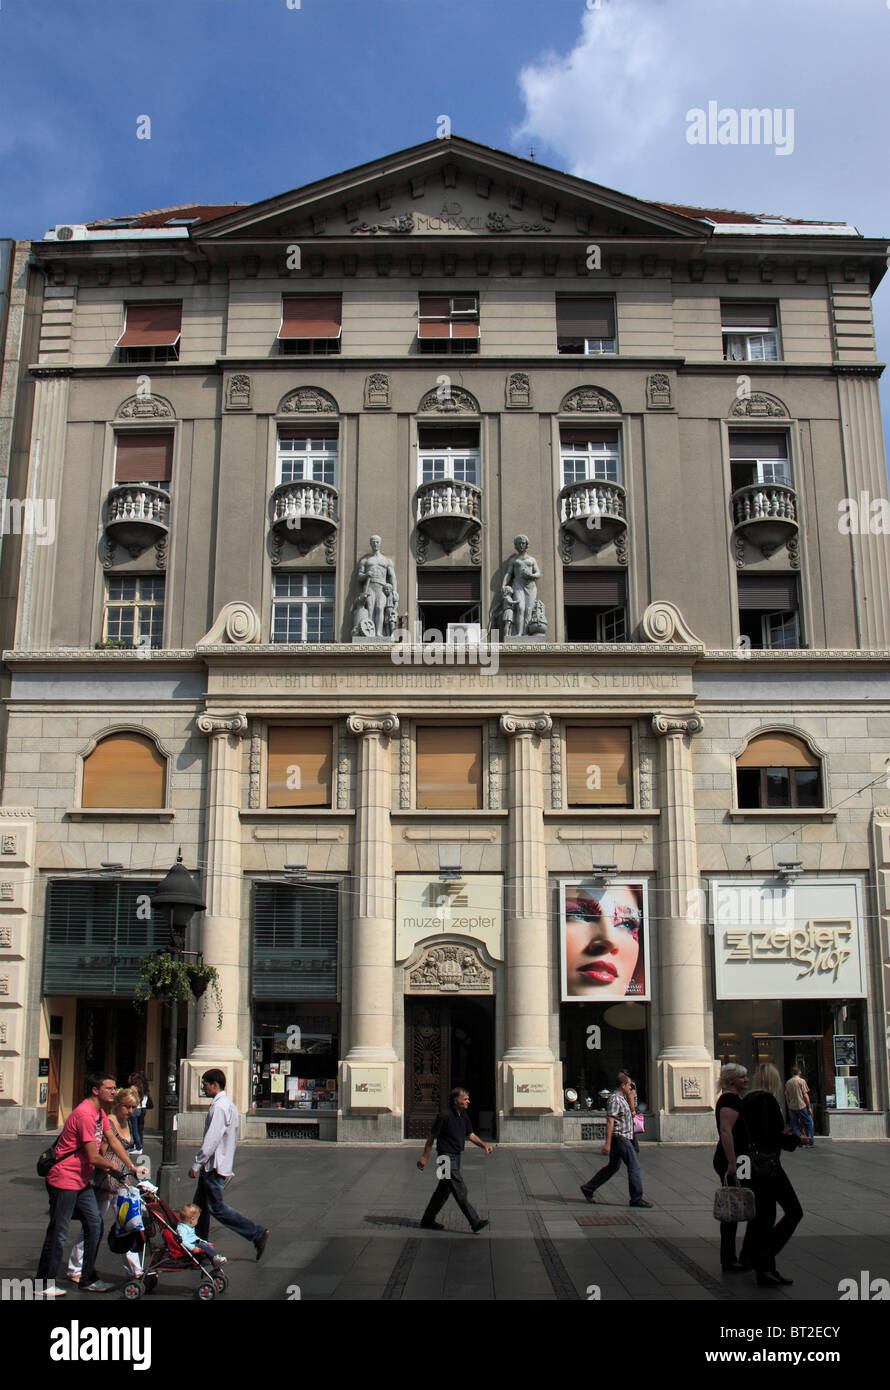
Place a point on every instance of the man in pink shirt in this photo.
(69, 1185)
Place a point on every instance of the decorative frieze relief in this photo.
(591, 400)
(621, 548)
(457, 401)
(160, 549)
(235, 725)
(145, 408)
(792, 545)
(758, 405)
(452, 968)
(494, 767)
(308, 400)
(342, 768)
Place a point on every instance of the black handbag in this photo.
(764, 1164)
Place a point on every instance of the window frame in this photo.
(590, 458)
(304, 601)
(136, 353)
(790, 769)
(586, 350)
(84, 811)
(328, 727)
(479, 726)
(749, 333)
(305, 457)
(137, 603)
(612, 808)
(760, 464)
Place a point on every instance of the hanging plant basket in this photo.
(164, 976)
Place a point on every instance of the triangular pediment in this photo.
(451, 187)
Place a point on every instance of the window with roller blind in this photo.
(448, 323)
(445, 597)
(769, 611)
(585, 324)
(756, 456)
(311, 324)
(125, 770)
(144, 457)
(151, 332)
(599, 769)
(595, 605)
(589, 454)
(299, 766)
(778, 770)
(448, 452)
(750, 330)
(449, 768)
(308, 454)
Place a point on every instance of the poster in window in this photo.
(845, 1049)
(846, 1092)
(604, 940)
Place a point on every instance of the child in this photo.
(188, 1219)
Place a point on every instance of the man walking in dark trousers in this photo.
(619, 1146)
(451, 1129)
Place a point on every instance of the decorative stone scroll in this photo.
(308, 400)
(664, 623)
(145, 408)
(451, 968)
(591, 400)
(237, 623)
(377, 391)
(758, 405)
(540, 724)
(234, 724)
(683, 724)
(457, 401)
(363, 724)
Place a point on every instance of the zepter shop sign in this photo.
(803, 941)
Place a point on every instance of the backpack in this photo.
(49, 1158)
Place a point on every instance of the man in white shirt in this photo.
(215, 1161)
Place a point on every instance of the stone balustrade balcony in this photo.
(593, 510)
(449, 511)
(304, 511)
(137, 515)
(765, 514)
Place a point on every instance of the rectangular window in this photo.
(758, 457)
(449, 768)
(448, 453)
(295, 941)
(151, 332)
(303, 608)
(308, 453)
(585, 324)
(310, 324)
(750, 331)
(144, 458)
(448, 323)
(134, 610)
(97, 933)
(300, 766)
(769, 610)
(589, 454)
(598, 766)
(445, 597)
(595, 605)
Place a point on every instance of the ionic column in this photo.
(526, 927)
(373, 950)
(679, 924)
(221, 929)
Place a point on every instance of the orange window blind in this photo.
(598, 766)
(300, 766)
(449, 769)
(777, 750)
(125, 770)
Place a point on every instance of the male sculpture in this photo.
(377, 603)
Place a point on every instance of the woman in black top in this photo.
(762, 1110)
(732, 1141)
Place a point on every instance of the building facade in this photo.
(482, 576)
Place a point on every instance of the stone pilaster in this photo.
(36, 577)
(370, 1074)
(221, 929)
(866, 475)
(529, 1081)
(685, 1062)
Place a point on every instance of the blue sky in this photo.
(248, 98)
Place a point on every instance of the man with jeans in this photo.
(69, 1184)
(619, 1146)
(214, 1163)
(800, 1110)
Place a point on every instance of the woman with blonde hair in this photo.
(765, 1118)
(108, 1185)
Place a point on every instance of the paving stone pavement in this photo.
(345, 1226)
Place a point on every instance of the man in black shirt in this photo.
(451, 1129)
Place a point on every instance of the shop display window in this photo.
(596, 1041)
(294, 1055)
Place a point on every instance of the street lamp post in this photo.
(179, 892)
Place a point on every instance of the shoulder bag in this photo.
(734, 1204)
(49, 1158)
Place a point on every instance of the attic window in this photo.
(448, 323)
(310, 324)
(151, 332)
(585, 325)
(182, 221)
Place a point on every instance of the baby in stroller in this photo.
(188, 1220)
(166, 1243)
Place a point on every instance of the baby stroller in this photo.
(145, 1224)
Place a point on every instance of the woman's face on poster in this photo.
(602, 942)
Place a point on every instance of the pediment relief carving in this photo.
(591, 400)
(145, 407)
(308, 400)
(457, 401)
(449, 967)
(758, 405)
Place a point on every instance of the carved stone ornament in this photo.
(658, 391)
(591, 400)
(145, 408)
(759, 405)
(452, 968)
(330, 548)
(7, 892)
(792, 545)
(457, 401)
(308, 400)
(256, 758)
(238, 391)
(690, 1088)
(362, 724)
(501, 222)
(107, 552)
(376, 606)
(237, 623)
(494, 768)
(663, 622)
(161, 552)
(566, 546)
(4, 984)
(404, 769)
(739, 545)
(9, 845)
(518, 391)
(621, 548)
(517, 611)
(556, 771)
(401, 225)
(342, 769)
(685, 724)
(234, 724)
(6, 937)
(4, 1034)
(377, 391)
(540, 724)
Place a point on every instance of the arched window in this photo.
(125, 770)
(778, 770)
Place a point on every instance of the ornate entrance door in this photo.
(448, 1042)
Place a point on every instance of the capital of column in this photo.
(687, 724)
(362, 724)
(540, 724)
(234, 724)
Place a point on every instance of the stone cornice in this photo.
(362, 724)
(540, 724)
(235, 724)
(688, 724)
